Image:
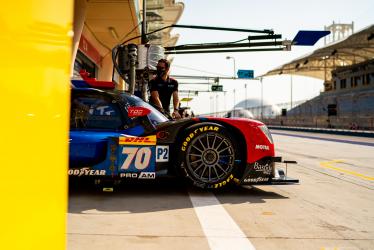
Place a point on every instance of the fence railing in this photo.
(272, 116)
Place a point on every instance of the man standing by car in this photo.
(163, 87)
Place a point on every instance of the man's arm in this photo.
(156, 98)
(175, 100)
(176, 104)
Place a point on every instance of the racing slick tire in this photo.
(210, 156)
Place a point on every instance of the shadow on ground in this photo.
(84, 197)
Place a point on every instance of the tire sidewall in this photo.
(201, 129)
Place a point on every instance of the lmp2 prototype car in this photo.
(117, 136)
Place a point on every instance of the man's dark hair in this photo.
(166, 62)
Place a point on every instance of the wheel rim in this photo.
(210, 157)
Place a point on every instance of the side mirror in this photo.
(137, 111)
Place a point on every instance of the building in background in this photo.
(99, 25)
(347, 68)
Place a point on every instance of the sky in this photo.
(285, 17)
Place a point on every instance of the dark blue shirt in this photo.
(165, 90)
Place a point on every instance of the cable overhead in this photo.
(266, 31)
(209, 47)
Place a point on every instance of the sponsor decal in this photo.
(137, 111)
(101, 111)
(198, 130)
(136, 157)
(86, 172)
(266, 169)
(129, 175)
(148, 140)
(262, 147)
(256, 180)
(141, 175)
(147, 175)
(223, 183)
(162, 153)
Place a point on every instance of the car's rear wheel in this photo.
(210, 156)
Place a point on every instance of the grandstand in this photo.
(347, 68)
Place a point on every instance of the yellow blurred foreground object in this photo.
(35, 42)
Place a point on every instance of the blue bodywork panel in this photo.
(104, 141)
(103, 155)
(87, 148)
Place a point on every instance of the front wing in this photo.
(264, 172)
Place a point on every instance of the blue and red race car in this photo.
(117, 136)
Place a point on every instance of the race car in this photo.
(117, 136)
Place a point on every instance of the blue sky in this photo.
(284, 17)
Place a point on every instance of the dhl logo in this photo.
(148, 140)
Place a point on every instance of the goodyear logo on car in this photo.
(147, 140)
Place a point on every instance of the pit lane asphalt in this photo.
(331, 208)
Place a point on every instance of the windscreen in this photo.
(155, 116)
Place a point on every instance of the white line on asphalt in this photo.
(219, 228)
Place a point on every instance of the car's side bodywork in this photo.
(108, 139)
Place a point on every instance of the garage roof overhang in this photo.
(354, 49)
(112, 21)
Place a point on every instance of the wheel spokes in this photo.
(215, 170)
(210, 157)
(224, 149)
(202, 144)
(219, 144)
(202, 173)
(219, 166)
(197, 148)
(214, 141)
(199, 167)
(196, 161)
(198, 155)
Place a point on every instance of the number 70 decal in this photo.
(140, 156)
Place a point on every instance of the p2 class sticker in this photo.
(136, 159)
(162, 153)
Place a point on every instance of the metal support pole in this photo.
(132, 48)
(222, 46)
(144, 23)
(144, 90)
(222, 51)
(233, 58)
